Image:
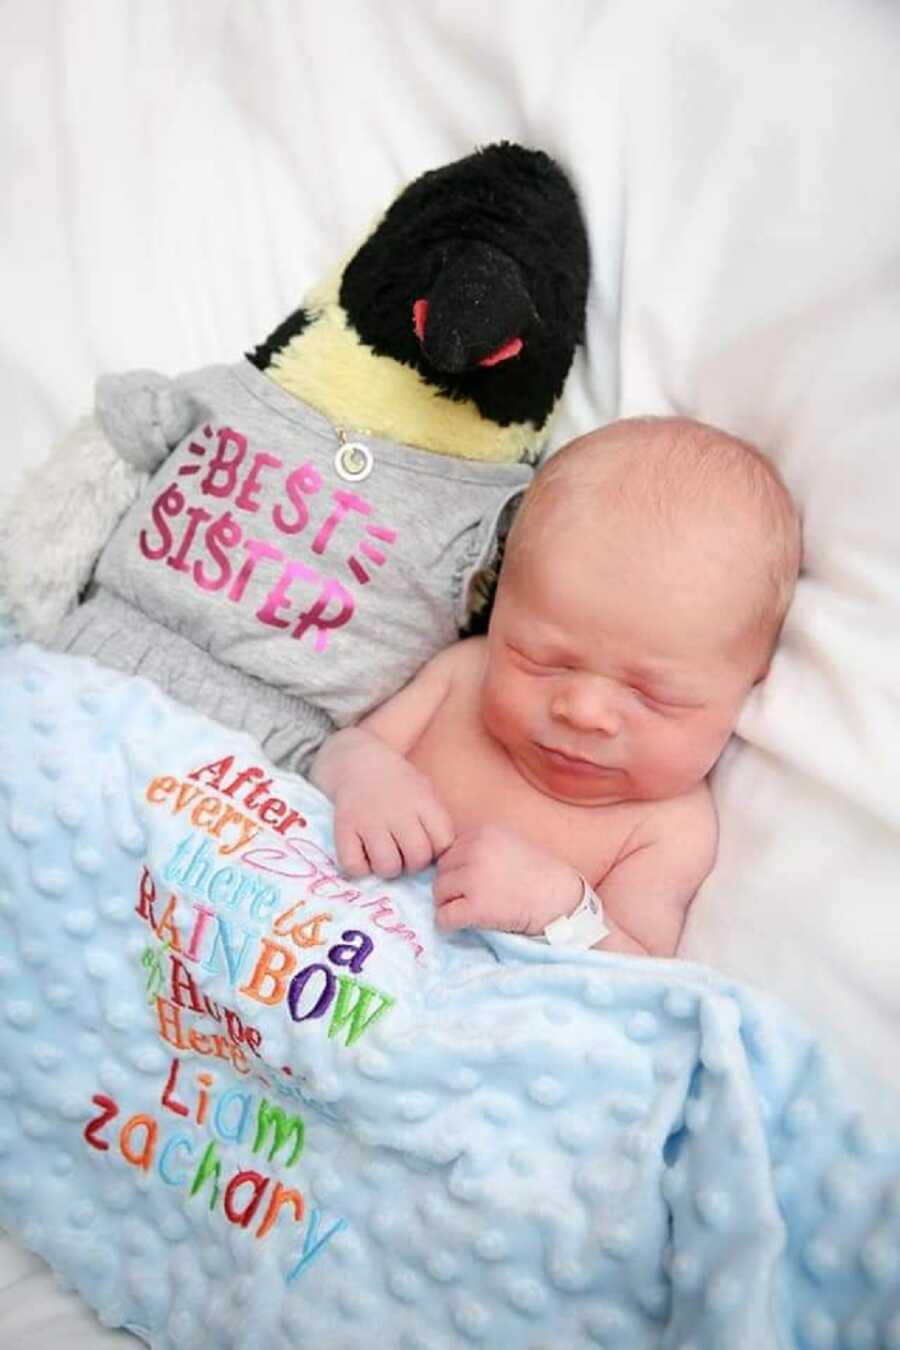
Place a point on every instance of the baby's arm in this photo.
(646, 893)
(491, 878)
(387, 817)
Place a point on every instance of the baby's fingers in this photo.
(461, 912)
(415, 845)
(348, 846)
(449, 885)
(438, 826)
(383, 854)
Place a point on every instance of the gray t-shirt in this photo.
(328, 565)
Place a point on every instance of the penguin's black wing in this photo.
(293, 325)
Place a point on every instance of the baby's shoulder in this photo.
(464, 661)
(687, 822)
(458, 662)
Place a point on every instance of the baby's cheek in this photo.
(704, 748)
(500, 706)
(678, 758)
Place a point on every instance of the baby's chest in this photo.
(478, 784)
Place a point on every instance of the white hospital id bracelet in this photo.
(583, 927)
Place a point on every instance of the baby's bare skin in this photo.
(477, 782)
(637, 607)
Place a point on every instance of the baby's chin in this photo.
(585, 784)
(573, 783)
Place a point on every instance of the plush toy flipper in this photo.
(57, 524)
(144, 415)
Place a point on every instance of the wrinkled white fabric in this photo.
(179, 173)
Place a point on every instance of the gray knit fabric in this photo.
(289, 729)
(277, 574)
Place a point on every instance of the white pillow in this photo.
(761, 291)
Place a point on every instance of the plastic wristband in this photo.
(583, 927)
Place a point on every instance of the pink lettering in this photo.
(330, 888)
(196, 449)
(168, 503)
(282, 860)
(381, 907)
(305, 479)
(383, 532)
(375, 555)
(300, 859)
(222, 534)
(196, 515)
(222, 467)
(248, 501)
(315, 616)
(278, 597)
(346, 501)
(257, 549)
(204, 914)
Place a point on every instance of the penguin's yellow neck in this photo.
(328, 367)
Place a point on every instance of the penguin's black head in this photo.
(477, 277)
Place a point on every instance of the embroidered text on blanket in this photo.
(286, 851)
(294, 856)
(235, 1118)
(217, 817)
(275, 976)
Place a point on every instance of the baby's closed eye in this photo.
(665, 702)
(543, 663)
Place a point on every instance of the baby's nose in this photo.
(587, 703)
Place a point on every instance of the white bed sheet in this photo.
(36, 1313)
(180, 171)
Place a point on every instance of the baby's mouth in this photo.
(573, 763)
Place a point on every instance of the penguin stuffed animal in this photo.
(282, 542)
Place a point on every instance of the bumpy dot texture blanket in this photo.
(244, 1103)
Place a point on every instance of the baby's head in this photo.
(645, 582)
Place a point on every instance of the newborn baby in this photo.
(564, 757)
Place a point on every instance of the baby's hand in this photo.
(490, 878)
(387, 817)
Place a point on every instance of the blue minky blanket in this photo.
(246, 1104)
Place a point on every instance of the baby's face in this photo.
(610, 671)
